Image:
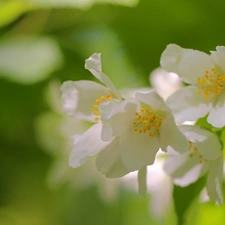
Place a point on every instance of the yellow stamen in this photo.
(211, 84)
(146, 120)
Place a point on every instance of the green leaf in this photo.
(28, 60)
(184, 197)
(79, 3)
(11, 10)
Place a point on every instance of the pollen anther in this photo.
(211, 84)
(146, 120)
(95, 106)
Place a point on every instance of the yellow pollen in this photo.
(95, 107)
(211, 84)
(147, 120)
(194, 152)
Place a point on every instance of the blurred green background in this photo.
(42, 44)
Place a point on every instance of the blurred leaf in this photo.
(79, 3)
(10, 10)
(184, 197)
(27, 60)
(115, 62)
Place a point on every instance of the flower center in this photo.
(147, 121)
(211, 84)
(194, 151)
(95, 107)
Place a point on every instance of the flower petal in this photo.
(187, 105)
(187, 63)
(107, 109)
(123, 116)
(152, 99)
(214, 181)
(109, 161)
(207, 142)
(165, 83)
(170, 135)
(93, 64)
(142, 186)
(79, 96)
(86, 145)
(183, 169)
(218, 57)
(216, 115)
(137, 150)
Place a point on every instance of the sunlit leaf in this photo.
(26, 60)
(10, 10)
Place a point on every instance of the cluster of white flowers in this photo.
(127, 133)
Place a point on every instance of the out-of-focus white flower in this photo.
(165, 83)
(139, 126)
(158, 185)
(83, 100)
(204, 156)
(206, 74)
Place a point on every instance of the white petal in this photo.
(109, 161)
(152, 99)
(187, 105)
(142, 186)
(165, 83)
(218, 57)
(107, 109)
(214, 181)
(207, 142)
(187, 63)
(93, 64)
(86, 145)
(183, 169)
(79, 96)
(138, 150)
(171, 136)
(216, 115)
(107, 132)
(123, 116)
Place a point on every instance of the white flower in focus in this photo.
(139, 126)
(204, 156)
(82, 100)
(206, 76)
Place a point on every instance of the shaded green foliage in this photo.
(131, 40)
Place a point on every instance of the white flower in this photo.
(82, 100)
(139, 126)
(206, 76)
(165, 83)
(204, 156)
